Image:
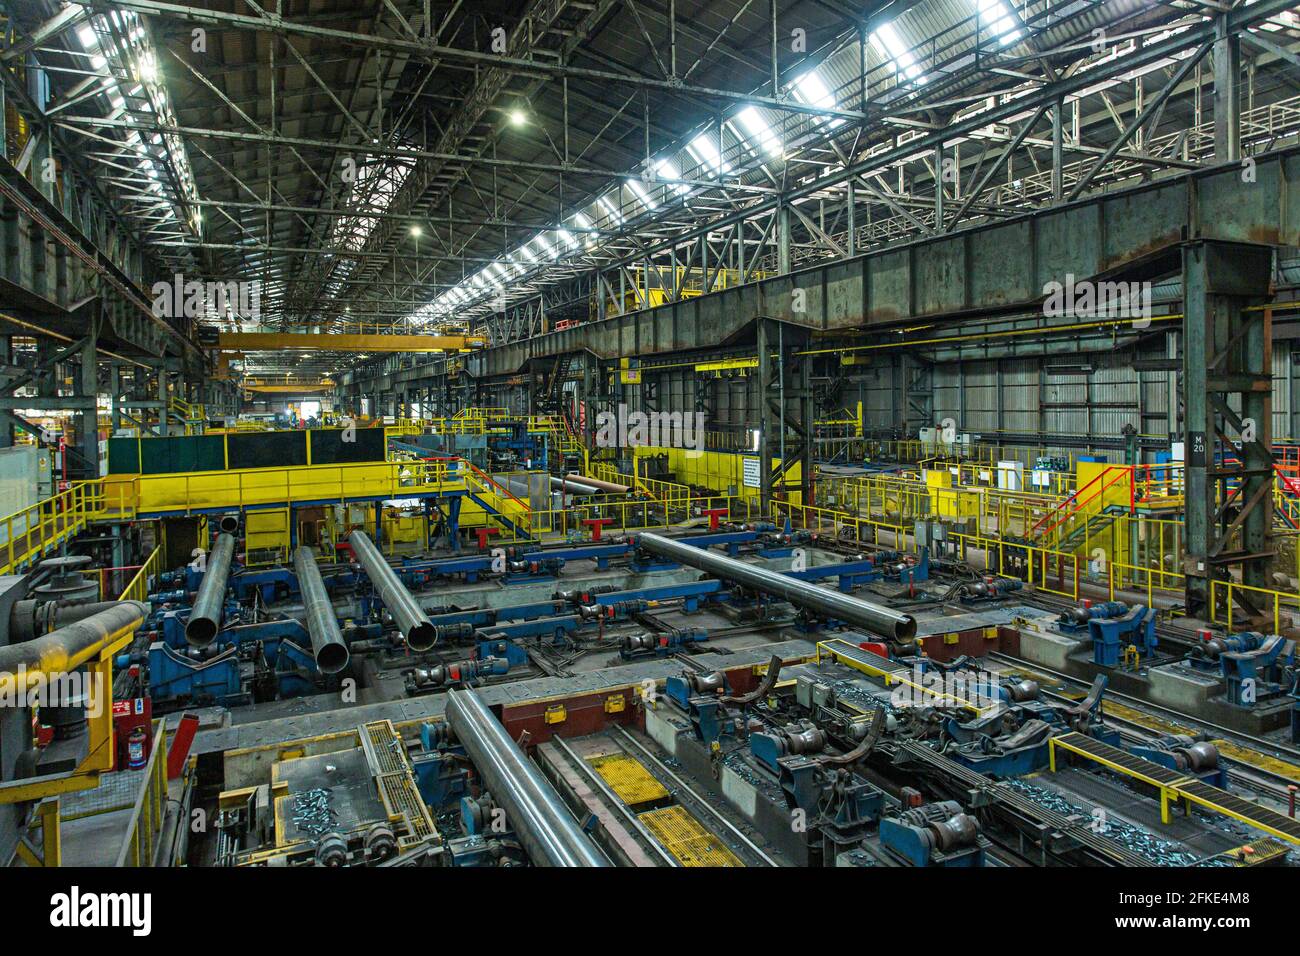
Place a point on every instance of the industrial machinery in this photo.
(934, 834)
(1116, 629)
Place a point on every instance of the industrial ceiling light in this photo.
(517, 118)
(415, 231)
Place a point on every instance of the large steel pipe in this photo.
(327, 643)
(598, 483)
(411, 620)
(573, 487)
(832, 604)
(546, 829)
(72, 645)
(205, 616)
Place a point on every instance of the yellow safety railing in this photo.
(1153, 582)
(668, 492)
(1056, 572)
(145, 827)
(137, 589)
(31, 533)
(251, 487)
(1223, 592)
(629, 515)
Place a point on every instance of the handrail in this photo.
(494, 486)
(141, 840)
(1074, 498)
(137, 589)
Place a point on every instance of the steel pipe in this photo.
(832, 604)
(411, 620)
(205, 616)
(598, 483)
(71, 646)
(546, 829)
(327, 644)
(574, 487)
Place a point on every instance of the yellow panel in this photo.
(683, 836)
(628, 778)
(1101, 484)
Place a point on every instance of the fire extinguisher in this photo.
(135, 748)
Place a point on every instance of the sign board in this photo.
(630, 376)
(752, 476)
(1196, 449)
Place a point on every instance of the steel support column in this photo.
(764, 349)
(1227, 101)
(1227, 376)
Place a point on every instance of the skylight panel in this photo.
(891, 47)
(641, 194)
(997, 19)
(759, 131)
(614, 214)
(668, 170)
(705, 150)
(585, 223)
(810, 89)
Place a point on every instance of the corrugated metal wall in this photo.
(1065, 394)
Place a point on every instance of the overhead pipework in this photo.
(205, 617)
(831, 604)
(545, 827)
(416, 628)
(72, 644)
(327, 644)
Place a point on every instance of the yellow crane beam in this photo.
(289, 389)
(345, 342)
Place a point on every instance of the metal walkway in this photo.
(1174, 786)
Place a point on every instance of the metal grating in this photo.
(860, 658)
(628, 778)
(383, 747)
(1120, 760)
(395, 781)
(1258, 852)
(1212, 798)
(1183, 786)
(683, 836)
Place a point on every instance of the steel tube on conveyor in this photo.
(573, 487)
(411, 620)
(327, 644)
(546, 828)
(599, 483)
(205, 615)
(832, 604)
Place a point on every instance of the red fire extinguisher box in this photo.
(129, 716)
